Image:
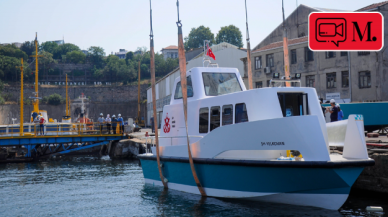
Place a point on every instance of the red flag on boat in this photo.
(210, 52)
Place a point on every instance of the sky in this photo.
(125, 24)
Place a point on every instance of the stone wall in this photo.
(104, 94)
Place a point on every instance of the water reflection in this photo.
(87, 186)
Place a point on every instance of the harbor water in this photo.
(88, 186)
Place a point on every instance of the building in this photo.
(59, 42)
(344, 76)
(170, 52)
(227, 55)
(121, 54)
(85, 52)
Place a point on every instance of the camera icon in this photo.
(330, 30)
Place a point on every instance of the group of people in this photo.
(111, 123)
(39, 121)
(336, 114)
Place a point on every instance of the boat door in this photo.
(293, 104)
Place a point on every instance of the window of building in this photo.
(331, 80)
(363, 53)
(227, 115)
(203, 120)
(220, 83)
(310, 81)
(268, 83)
(270, 60)
(365, 80)
(344, 53)
(214, 117)
(259, 84)
(308, 54)
(258, 62)
(178, 89)
(293, 56)
(330, 54)
(241, 113)
(345, 78)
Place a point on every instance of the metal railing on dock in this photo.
(60, 129)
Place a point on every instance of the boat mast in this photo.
(67, 101)
(36, 98)
(285, 51)
(152, 70)
(182, 68)
(249, 65)
(21, 130)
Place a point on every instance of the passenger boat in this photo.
(243, 142)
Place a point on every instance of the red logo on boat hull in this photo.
(166, 127)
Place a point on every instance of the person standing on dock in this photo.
(333, 111)
(323, 108)
(152, 124)
(340, 113)
(108, 121)
(36, 122)
(114, 123)
(101, 121)
(121, 124)
(42, 121)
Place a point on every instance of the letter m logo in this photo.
(357, 31)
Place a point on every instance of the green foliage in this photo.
(1, 86)
(45, 100)
(28, 47)
(49, 46)
(54, 71)
(230, 34)
(54, 99)
(97, 73)
(12, 51)
(46, 59)
(2, 101)
(96, 55)
(197, 36)
(129, 56)
(76, 57)
(64, 49)
(8, 70)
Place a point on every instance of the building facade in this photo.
(170, 52)
(344, 76)
(122, 53)
(227, 55)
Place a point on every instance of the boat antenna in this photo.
(285, 51)
(249, 65)
(36, 98)
(182, 68)
(152, 70)
(21, 130)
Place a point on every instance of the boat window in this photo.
(227, 115)
(293, 104)
(241, 113)
(214, 117)
(220, 83)
(178, 89)
(203, 120)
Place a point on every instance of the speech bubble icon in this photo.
(330, 30)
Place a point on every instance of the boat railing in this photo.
(152, 138)
(59, 129)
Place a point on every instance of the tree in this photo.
(129, 56)
(197, 36)
(49, 46)
(76, 56)
(54, 99)
(96, 55)
(230, 34)
(28, 47)
(64, 49)
(12, 51)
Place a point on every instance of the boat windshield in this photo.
(220, 83)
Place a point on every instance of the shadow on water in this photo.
(176, 203)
